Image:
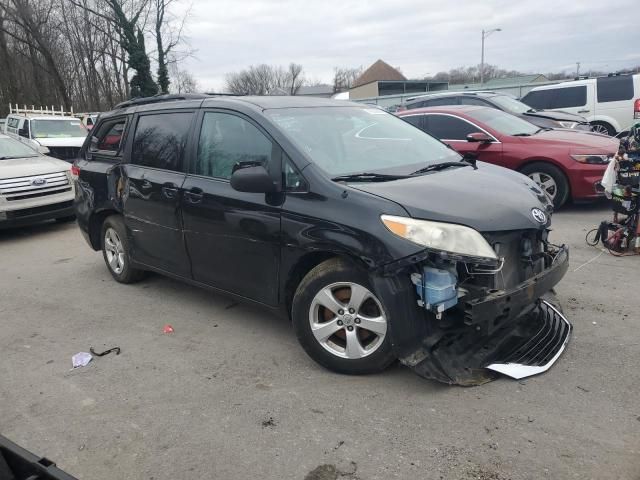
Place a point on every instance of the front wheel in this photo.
(603, 128)
(550, 179)
(340, 322)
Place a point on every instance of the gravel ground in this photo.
(231, 395)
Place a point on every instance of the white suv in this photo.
(608, 103)
(33, 187)
(62, 135)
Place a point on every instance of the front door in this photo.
(453, 131)
(233, 238)
(153, 179)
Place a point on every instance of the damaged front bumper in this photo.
(518, 331)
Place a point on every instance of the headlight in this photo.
(446, 237)
(568, 124)
(592, 159)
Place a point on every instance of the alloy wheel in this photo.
(599, 128)
(347, 320)
(114, 251)
(546, 183)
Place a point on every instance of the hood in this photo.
(578, 141)
(24, 167)
(61, 141)
(558, 115)
(488, 199)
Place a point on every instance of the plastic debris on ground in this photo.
(167, 329)
(81, 359)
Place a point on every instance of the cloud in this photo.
(421, 37)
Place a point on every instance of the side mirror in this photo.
(43, 150)
(252, 179)
(480, 137)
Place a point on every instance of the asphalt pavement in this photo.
(230, 394)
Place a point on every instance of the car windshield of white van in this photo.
(10, 148)
(346, 140)
(58, 128)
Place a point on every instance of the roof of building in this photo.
(379, 71)
(502, 82)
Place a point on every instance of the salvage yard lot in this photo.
(230, 394)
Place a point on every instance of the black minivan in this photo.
(378, 241)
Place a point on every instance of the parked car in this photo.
(608, 103)
(377, 240)
(506, 103)
(62, 135)
(564, 163)
(33, 187)
(88, 119)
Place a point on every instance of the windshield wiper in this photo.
(441, 166)
(367, 177)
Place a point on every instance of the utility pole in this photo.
(577, 69)
(485, 34)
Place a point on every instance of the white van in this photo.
(62, 135)
(608, 103)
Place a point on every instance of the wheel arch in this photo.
(612, 122)
(95, 226)
(303, 265)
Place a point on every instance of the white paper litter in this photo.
(81, 359)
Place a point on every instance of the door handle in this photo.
(584, 111)
(194, 195)
(169, 190)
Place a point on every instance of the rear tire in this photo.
(340, 322)
(115, 251)
(551, 179)
(604, 128)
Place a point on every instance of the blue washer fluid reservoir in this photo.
(436, 288)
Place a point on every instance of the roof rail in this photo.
(160, 98)
(40, 111)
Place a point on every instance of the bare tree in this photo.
(345, 78)
(266, 80)
(181, 80)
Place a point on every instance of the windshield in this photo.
(10, 148)
(511, 105)
(503, 122)
(345, 140)
(59, 128)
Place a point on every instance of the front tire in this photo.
(340, 322)
(115, 251)
(550, 179)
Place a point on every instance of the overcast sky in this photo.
(422, 37)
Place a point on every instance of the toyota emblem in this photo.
(38, 182)
(538, 215)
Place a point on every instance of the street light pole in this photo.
(485, 34)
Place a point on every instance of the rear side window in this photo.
(445, 127)
(551, 98)
(109, 136)
(415, 120)
(13, 123)
(436, 102)
(614, 89)
(160, 139)
(226, 140)
(474, 101)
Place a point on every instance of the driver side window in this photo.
(225, 140)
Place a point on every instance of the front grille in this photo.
(64, 153)
(20, 188)
(26, 212)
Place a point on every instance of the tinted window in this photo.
(614, 89)
(474, 101)
(436, 102)
(416, 104)
(110, 136)
(445, 127)
(557, 98)
(226, 140)
(160, 139)
(415, 120)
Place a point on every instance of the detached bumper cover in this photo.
(538, 354)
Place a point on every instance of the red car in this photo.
(565, 163)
